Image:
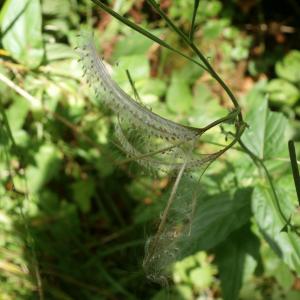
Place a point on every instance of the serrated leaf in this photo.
(217, 217)
(266, 133)
(285, 244)
(21, 27)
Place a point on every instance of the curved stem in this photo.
(295, 168)
(260, 164)
(230, 116)
(207, 65)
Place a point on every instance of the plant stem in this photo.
(166, 212)
(143, 31)
(295, 169)
(260, 164)
(207, 65)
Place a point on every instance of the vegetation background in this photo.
(73, 223)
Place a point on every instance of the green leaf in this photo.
(16, 113)
(281, 92)
(57, 8)
(285, 244)
(134, 43)
(137, 65)
(231, 260)
(200, 115)
(83, 190)
(21, 27)
(289, 67)
(179, 95)
(239, 52)
(266, 133)
(217, 217)
(47, 163)
(214, 28)
(58, 51)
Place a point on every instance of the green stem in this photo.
(207, 65)
(230, 116)
(196, 5)
(143, 31)
(295, 169)
(260, 164)
(135, 92)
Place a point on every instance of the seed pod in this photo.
(121, 103)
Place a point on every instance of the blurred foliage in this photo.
(73, 223)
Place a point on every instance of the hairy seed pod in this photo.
(121, 103)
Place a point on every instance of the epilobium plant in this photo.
(155, 143)
(160, 144)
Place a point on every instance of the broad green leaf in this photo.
(217, 217)
(231, 260)
(285, 244)
(266, 133)
(281, 92)
(17, 113)
(21, 27)
(47, 162)
(179, 96)
(289, 67)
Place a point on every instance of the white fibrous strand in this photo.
(165, 247)
(166, 159)
(124, 105)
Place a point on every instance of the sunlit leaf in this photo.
(285, 244)
(21, 27)
(266, 133)
(289, 67)
(281, 92)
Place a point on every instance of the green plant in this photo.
(284, 91)
(248, 145)
(74, 214)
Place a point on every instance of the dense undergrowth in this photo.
(75, 214)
